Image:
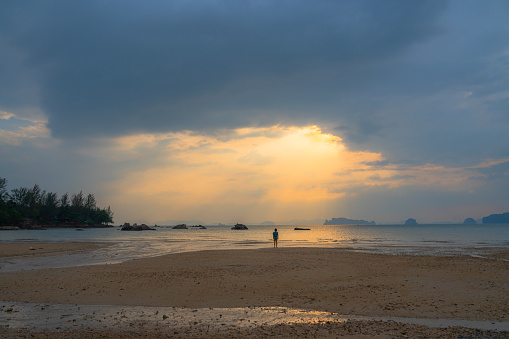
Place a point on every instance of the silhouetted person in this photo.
(275, 236)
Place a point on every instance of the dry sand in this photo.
(333, 280)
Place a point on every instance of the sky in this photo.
(288, 111)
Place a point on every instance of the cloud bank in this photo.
(425, 85)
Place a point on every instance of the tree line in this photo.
(32, 207)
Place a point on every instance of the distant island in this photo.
(496, 219)
(346, 221)
(411, 221)
(267, 223)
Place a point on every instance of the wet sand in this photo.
(32, 249)
(330, 280)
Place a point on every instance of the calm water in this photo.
(419, 239)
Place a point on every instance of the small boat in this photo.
(301, 229)
(239, 227)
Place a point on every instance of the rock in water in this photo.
(239, 227)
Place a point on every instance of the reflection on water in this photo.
(420, 239)
(65, 316)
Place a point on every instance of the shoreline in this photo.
(39, 249)
(329, 280)
(49, 227)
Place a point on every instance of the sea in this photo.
(422, 239)
(436, 240)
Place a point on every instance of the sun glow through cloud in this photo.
(264, 173)
(273, 173)
(251, 167)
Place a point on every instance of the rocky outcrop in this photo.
(469, 221)
(136, 227)
(346, 221)
(29, 224)
(9, 228)
(239, 227)
(180, 227)
(301, 229)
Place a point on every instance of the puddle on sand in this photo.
(17, 315)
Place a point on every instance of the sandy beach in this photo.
(330, 280)
(33, 249)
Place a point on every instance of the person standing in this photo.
(275, 236)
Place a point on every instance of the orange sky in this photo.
(249, 175)
(253, 174)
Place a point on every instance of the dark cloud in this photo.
(378, 164)
(115, 67)
(381, 74)
(496, 173)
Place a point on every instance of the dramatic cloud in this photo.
(251, 174)
(117, 67)
(106, 93)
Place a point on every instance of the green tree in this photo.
(64, 210)
(33, 205)
(21, 198)
(109, 218)
(35, 197)
(4, 207)
(77, 206)
(77, 201)
(101, 216)
(50, 206)
(3, 189)
(90, 206)
(9, 215)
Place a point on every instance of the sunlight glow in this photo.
(246, 174)
(274, 165)
(278, 172)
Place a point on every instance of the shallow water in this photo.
(476, 240)
(450, 239)
(17, 315)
